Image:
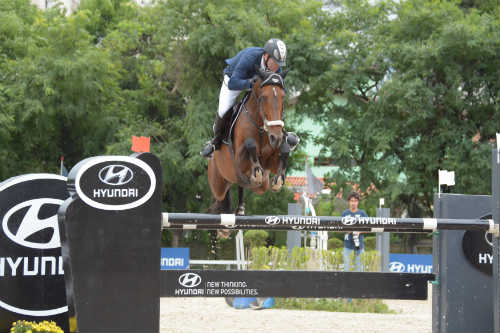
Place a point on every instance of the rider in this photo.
(240, 74)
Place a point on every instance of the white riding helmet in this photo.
(277, 49)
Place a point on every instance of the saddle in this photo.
(235, 113)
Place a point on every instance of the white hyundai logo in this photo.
(189, 280)
(348, 220)
(272, 220)
(31, 224)
(486, 234)
(396, 266)
(115, 175)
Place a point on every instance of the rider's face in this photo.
(271, 64)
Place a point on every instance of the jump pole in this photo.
(332, 223)
(282, 228)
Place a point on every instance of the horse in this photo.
(256, 149)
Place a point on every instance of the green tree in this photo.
(58, 92)
(172, 57)
(420, 80)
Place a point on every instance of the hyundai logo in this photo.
(189, 280)
(116, 175)
(272, 220)
(487, 237)
(348, 220)
(396, 266)
(32, 224)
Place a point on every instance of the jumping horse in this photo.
(255, 148)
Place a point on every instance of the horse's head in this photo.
(270, 92)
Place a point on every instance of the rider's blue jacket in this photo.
(241, 67)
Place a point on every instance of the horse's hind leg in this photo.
(219, 207)
(256, 173)
(241, 202)
(213, 244)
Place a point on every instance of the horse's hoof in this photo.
(277, 183)
(258, 176)
(224, 234)
(277, 186)
(240, 210)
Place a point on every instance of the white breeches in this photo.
(226, 97)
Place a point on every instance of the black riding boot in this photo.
(220, 126)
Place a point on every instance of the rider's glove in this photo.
(253, 80)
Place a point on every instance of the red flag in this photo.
(141, 144)
(296, 196)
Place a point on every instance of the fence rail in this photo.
(322, 223)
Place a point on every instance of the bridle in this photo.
(273, 79)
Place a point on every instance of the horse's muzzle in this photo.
(275, 140)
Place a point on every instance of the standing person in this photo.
(353, 241)
(239, 75)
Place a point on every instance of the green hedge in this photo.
(276, 258)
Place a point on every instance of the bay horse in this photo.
(256, 149)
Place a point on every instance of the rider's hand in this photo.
(253, 80)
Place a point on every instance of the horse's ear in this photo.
(285, 72)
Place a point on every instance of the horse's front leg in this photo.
(279, 175)
(241, 201)
(256, 171)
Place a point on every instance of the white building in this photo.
(72, 5)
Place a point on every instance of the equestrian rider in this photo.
(240, 74)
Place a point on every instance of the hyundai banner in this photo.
(174, 258)
(31, 267)
(410, 263)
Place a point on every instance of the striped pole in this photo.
(282, 228)
(329, 223)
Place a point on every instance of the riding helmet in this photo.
(277, 49)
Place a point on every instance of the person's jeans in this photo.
(347, 259)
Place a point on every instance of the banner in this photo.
(174, 258)
(410, 263)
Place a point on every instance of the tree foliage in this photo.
(403, 88)
(420, 83)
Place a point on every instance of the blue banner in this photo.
(410, 263)
(174, 258)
